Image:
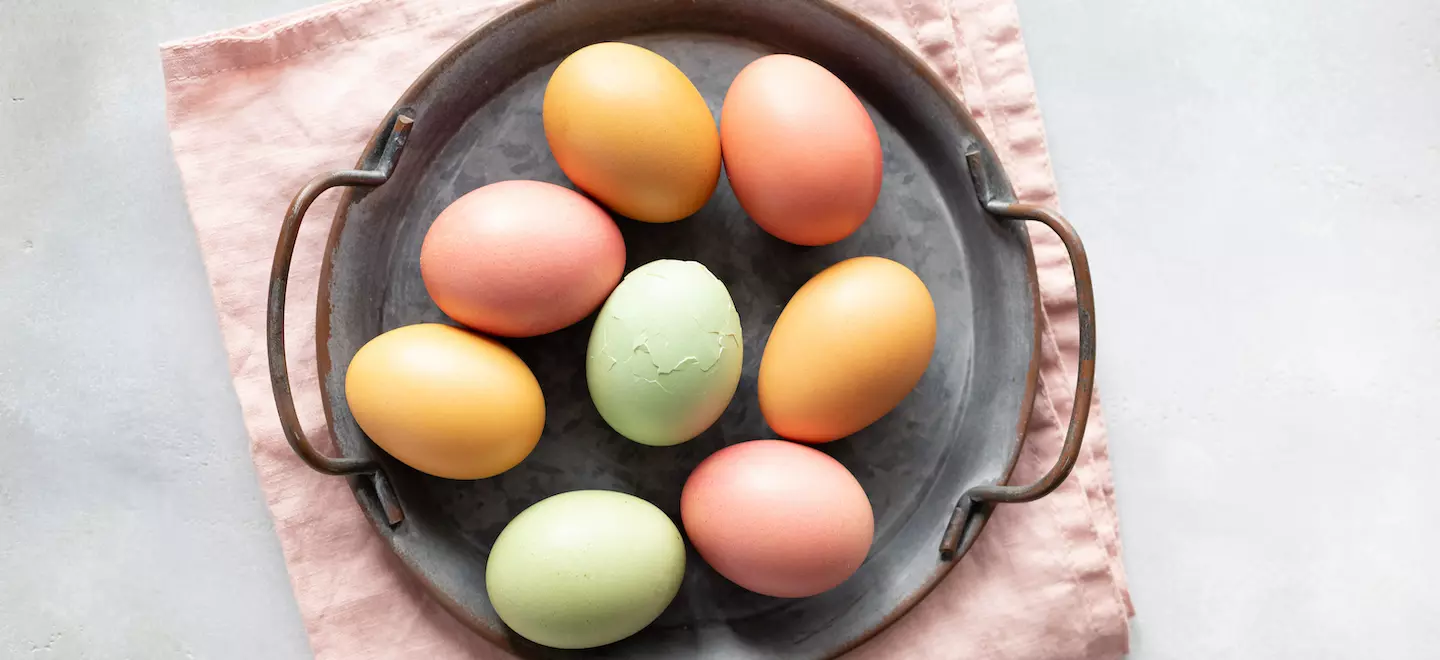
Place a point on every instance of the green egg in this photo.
(585, 568)
(664, 356)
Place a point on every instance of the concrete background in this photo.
(1256, 182)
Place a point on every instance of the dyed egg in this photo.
(630, 129)
(521, 258)
(800, 150)
(847, 348)
(664, 356)
(585, 568)
(777, 518)
(445, 401)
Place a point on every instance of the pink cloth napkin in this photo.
(255, 111)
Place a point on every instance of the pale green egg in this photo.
(585, 568)
(664, 356)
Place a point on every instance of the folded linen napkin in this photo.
(255, 111)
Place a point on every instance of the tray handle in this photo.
(980, 499)
(379, 172)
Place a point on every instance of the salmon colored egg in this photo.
(445, 401)
(521, 258)
(778, 518)
(629, 128)
(800, 150)
(847, 348)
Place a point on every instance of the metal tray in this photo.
(931, 467)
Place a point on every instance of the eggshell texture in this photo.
(585, 568)
(630, 129)
(664, 356)
(800, 150)
(847, 348)
(778, 518)
(445, 401)
(521, 258)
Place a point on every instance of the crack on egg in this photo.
(605, 348)
(688, 359)
(652, 381)
(677, 354)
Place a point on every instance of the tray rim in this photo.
(997, 182)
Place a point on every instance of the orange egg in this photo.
(631, 130)
(778, 518)
(848, 347)
(521, 258)
(800, 150)
(445, 401)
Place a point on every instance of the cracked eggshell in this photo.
(664, 356)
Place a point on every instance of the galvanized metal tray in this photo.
(933, 468)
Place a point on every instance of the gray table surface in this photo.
(1258, 184)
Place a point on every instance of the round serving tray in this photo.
(932, 468)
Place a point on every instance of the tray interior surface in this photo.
(478, 121)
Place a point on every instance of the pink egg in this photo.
(521, 258)
(801, 152)
(778, 518)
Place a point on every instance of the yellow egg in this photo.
(445, 401)
(627, 127)
(847, 349)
